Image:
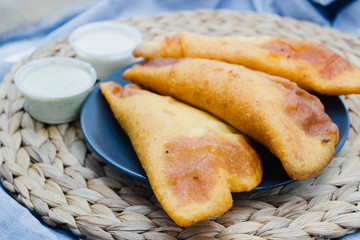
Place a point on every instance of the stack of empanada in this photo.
(274, 111)
(192, 159)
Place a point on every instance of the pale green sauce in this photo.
(105, 41)
(55, 88)
(55, 80)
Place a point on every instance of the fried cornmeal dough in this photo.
(274, 111)
(312, 66)
(192, 160)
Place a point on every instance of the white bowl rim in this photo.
(44, 62)
(132, 31)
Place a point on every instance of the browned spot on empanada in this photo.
(193, 164)
(328, 63)
(305, 109)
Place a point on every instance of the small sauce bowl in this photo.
(106, 45)
(55, 88)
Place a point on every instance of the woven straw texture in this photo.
(51, 171)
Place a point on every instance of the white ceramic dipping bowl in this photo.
(55, 88)
(106, 45)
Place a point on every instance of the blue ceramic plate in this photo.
(109, 141)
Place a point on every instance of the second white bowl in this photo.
(55, 88)
(106, 45)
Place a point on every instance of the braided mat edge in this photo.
(52, 172)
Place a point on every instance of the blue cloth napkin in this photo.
(16, 222)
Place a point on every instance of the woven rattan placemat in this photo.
(51, 171)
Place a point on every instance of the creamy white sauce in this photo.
(106, 41)
(55, 79)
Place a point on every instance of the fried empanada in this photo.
(274, 111)
(312, 66)
(192, 160)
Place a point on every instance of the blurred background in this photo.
(21, 14)
(25, 22)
